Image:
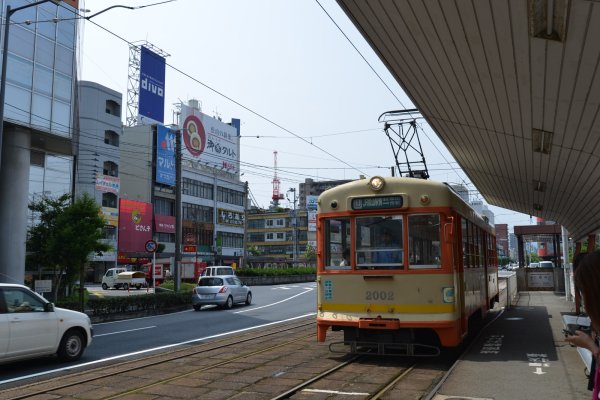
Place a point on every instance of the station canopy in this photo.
(511, 88)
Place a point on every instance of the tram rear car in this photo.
(404, 266)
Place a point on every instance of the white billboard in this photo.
(209, 141)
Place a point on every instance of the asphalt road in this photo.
(135, 337)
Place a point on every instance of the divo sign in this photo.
(135, 225)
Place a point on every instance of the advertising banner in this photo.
(311, 202)
(164, 223)
(135, 225)
(110, 215)
(152, 85)
(165, 155)
(229, 217)
(107, 183)
(209, 141)
(312, 221)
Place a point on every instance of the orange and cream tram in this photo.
(404, 266)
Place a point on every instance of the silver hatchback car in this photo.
(222, 290)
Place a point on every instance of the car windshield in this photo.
(211, 282)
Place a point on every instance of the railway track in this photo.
(279, 363)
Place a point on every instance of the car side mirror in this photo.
(49, 307)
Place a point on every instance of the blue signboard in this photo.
(152, 85)
(165, 155)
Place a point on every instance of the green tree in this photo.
(310, 253)
(66, 237)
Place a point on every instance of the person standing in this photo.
(587, 280)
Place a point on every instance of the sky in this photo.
(297, 73)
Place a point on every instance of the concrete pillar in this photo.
(14, 193)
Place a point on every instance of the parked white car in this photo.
(30, 326)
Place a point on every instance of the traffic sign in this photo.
(151, 246)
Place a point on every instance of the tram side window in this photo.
(465, 243)
(337, 240)
(379, 242)
(424, 241)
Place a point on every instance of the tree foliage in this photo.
(65, 237)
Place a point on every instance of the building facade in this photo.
(276, 236)
(98, 163)
(39, 124)
(502, 239)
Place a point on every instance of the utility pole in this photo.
(245, 240)
(178, 225)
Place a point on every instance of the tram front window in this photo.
(379, 243)
(337, 231)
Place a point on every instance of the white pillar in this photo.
(566, 265)
(14, 193)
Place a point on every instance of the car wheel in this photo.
(104, 286)
(197, 307)
(229, 303)
(138, 286)
(126, 286)
(248, 298)
(71, 346)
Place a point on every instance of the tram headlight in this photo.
(376, 183)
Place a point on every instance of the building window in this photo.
(164, 206)
(110, 168)
(256, 223)
(197, 213)
(109, 200)
(113, 108)
(198, 189)
(229, 239)
(230, 196)
(111, 138)
(163, 237)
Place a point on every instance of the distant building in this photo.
(98, 163)
(512, 246)
(462, 191)
(272, 233)
(483, 210)
(502, 239)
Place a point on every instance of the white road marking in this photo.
(272, 304)
(135, 353)
(128, 330)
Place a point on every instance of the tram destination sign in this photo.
(376, 203)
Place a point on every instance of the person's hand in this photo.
(581, 339)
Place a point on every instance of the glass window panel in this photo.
(45, 25)
(58, 175)
(66, 27)
(18, 104)
(19, 71)
(62, 87)
(42, 80)
(64, 60)
(44, 52)
(26, 14)
(61, 118)
(379, 242)
(41, 111)
(21, 41)
(424, 241)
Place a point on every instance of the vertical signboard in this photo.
(311, 207)
(152, 85)
(209, 141)
(135, 225)
(165, 155)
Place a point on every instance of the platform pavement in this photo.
(521, 355)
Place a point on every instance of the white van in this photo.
(546, 264)
(218, 270)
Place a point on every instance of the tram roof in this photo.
(517, 108)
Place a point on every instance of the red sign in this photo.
(189, 249)
(135, 225)
(164, 223)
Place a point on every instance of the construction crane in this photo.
(276, 194)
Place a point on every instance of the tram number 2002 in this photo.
(379, 295)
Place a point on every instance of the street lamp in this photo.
(10, 11)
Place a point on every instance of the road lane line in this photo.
(168, 346)
(128, 330)
(273, 304)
